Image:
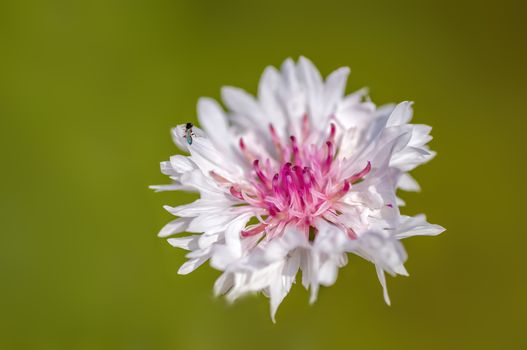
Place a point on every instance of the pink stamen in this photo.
(277, 188)
(299, 177)
(332, 131)
(294, 146)
(259, 173)
(220, 180)
(297, 186)
(305, 127)
(322, 208)
(360, 175)
(329, 157)
(306, 178)
(248, 155)
(277, 143)
(252, 201)
(254, 231)
(236, 193)
(345, 188)
(286, 169)
(351, 233)
(273, 211)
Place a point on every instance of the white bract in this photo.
(314, 171)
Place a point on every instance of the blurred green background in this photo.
(89, 90)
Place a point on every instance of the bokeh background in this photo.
(89, 91)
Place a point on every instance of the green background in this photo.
(89, 90)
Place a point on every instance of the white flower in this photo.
(315, 170)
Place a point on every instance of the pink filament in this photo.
(303, 186)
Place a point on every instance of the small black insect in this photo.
(189, 133)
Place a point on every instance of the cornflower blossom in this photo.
(294, 180)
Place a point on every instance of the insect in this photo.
(189, 133)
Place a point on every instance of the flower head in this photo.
(294, 180)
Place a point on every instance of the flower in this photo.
(294, 180)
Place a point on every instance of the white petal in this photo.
(210, 222)
(282, 285)
(213, 121)
(181, 164)
(198, 253)
(268, 91)
(402, 114)
(314, 88)
(326, 255)
(223, 256)
(167, 169)
(205, 185)
(407, 183)
(334, 89)
(417, 226)
(223, 284)
(400, 202)
(191, 265)
(209, 158)
(314, 261)
(382, 280)
(198, 207)
(385, 111)
(401, 270)
(380, 249)
(171, 187)
(278, 249)
(188, 243)
(328, 273)
(232, 233)
(353, 112)
(247, 111)
(410, 157)
(207, 240)
(174, 226)
(305, 265)
(290, 75)
(231, 251)
(292, 96)
(421, 134)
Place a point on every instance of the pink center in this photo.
(303, 184)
